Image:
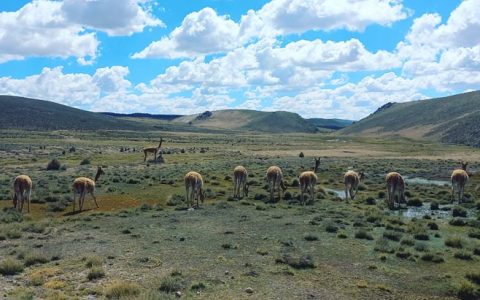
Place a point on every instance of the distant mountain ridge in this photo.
(143, 115)
(26, 113)
(454, 119)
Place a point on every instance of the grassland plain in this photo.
(143, 242)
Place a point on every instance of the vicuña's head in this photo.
(246, 190)
(361, 175)
(99, 172)
(317, 164)
(464, 165)
(202, 195)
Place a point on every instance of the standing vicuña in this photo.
(307, 181)
(153, 150)
(22, 189)
(275, 182)
(194, 187)
(82, 186)
(240, 176)
(352, 180)
(459, 180)
(395, 189)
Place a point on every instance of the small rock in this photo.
(178, 294)
(191, 209)
(227, 272)
(249, 290)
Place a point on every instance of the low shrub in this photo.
(54, 164)
(10, 266)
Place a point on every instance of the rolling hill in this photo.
(251, 120)
(32, 114)
(453, 119)
(26, 113)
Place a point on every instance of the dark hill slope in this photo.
(26, 113)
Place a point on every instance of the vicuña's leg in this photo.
(28, 199)
(453, 193)
(74, 200)
(94, 199)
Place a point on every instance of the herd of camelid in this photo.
(395, 184)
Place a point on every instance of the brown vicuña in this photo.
(22, 190)
(240, 185)
(459, 180)
(153, 150)
(84, 185)
(194, 187)
(395, 189)
(275, 182)
(352, 179)
(307, 181)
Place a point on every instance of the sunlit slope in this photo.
(453, 119)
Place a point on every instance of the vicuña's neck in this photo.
(97, 176)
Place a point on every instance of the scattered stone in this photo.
(178, 294)
(249, 290)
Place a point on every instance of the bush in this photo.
(10, 266)
(35, 258)
(474, 234)
(93, 261)
(414, 202)
(301, 262)
(432, 258)
(311, 237)
(381, 194)
(330, 227)
(466, 291)
(95, 273)
(407, 241)
(457, 222)
(459, 211)
(122, 289)
(363, 234)
(434, 205)
(383, 245)
(295, 183)
(392, 235)
(473, 277)
(10, 215)
(175, 200)
(432, 226)
(301, 154)
(172, 284)
(54, 164)
(371, 201)
(454, 242)
(72, 149)
(85, 161)
(403, 254)
(463, 255)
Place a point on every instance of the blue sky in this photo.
(319, 58)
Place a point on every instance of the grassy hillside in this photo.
(242, 119)
(334, 124)
(453, 119)
(25, 113)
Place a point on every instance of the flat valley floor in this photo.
(144, 243)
